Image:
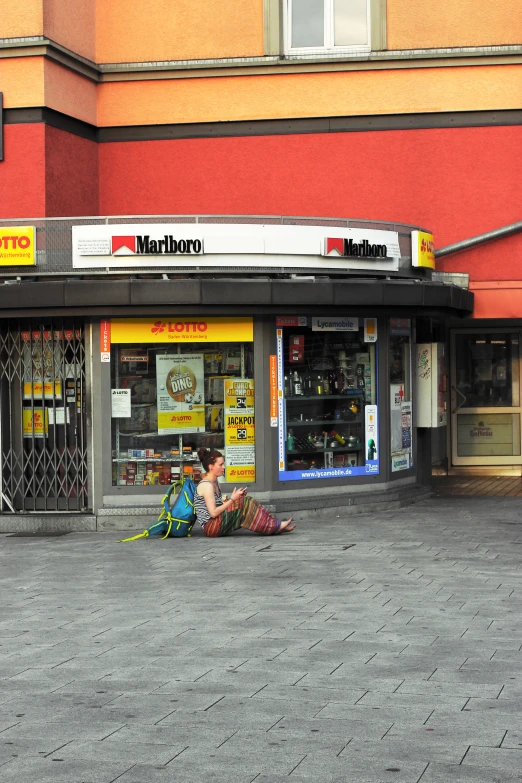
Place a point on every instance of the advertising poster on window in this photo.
(240, 433)
(35, 423)
(180, 394)
(42, 366)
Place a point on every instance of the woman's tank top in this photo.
(200, 505)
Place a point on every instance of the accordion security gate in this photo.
(43, 437)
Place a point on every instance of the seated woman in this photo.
(219, 515)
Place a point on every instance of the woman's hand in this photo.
(237, 493)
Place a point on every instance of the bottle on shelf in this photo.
(298, 384)
(288, 390)
(319, 388)
(326, 383)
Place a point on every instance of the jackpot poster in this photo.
(240, 433)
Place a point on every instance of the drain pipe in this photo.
(465, 244)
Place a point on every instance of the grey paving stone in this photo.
(438, 772)
(431, 592)
(504, 759)
(112, 749)
(44, 770)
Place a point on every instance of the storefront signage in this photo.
(273, 390)
(17, 246)
(351, 249)
(240, 434)
(400, 327)
(370, 330)
(35, 423)
(181, 330)
(422, 249)
(400, 462)
(205, 245)
(47, 390)
(180, 394)
(335, 324)
(105, 341)
(291, 320)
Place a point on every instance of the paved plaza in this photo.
(372, 650)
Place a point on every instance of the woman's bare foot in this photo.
(286, 525)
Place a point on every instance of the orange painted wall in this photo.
(130, 31)
(21, 18)
(72, 23)
(70, 93)
(22, 180)
(22, 81)
(309, 95)
(419, 24)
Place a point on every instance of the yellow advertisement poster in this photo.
(35, 423)
(17, 246)
(36, 389)
(182, 330)
(240, 432)
(422, 249)
(180, 394)
(239, 395)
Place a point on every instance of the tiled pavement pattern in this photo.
(372, 650)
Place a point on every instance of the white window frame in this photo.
(329, 47)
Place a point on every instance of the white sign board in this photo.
(208, 245)
(120, 403)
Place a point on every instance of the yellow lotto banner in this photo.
(240, 429)
(240, 474)
(17, 246)
(177, 423)
(35, 423)
(182, 330)
(36, 390)
(422, 249)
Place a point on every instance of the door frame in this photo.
(455, 409)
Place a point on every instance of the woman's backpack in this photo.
(176, 521)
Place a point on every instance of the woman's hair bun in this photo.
(202, 452)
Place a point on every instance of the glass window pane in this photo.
(488, 435)
(182, 397)
(350, 23)
(307, 23)
(484, 370)
(330, 394)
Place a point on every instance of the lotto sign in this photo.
(240, 429)
(240, 462)
(422, 249)
(35, 423)
(17, 246)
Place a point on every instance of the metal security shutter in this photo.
(43, 443)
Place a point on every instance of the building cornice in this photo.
(39, 46)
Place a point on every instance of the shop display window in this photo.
(328, 417)
(169, 400)
(400, 394)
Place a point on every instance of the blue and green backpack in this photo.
(176, 521)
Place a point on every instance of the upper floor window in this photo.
(328, 26)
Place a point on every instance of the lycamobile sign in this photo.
(343, 324)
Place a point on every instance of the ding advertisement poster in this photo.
(180, 393)
(240, 433)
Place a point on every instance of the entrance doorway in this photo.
(485, 398)
(43, 437)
